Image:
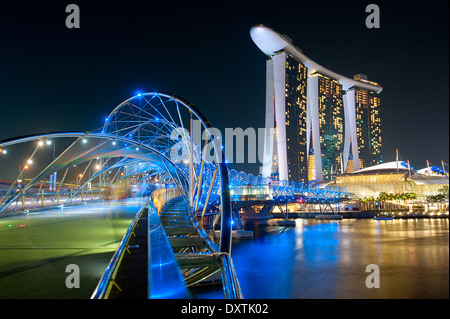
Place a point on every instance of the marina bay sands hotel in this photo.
(322, 123)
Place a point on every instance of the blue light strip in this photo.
(165, 280)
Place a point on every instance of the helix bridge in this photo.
(146, 148)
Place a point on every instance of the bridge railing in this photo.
(243, 192)
(107, 281)
(22, 201)
(231, 286)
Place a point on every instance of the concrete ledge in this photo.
(279, 222)
(237, 234)
(329, 216)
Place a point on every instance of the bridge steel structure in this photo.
(136, 141)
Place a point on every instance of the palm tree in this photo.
(404, 197)
(438, 198)
(371, 199)
(383, 197)
(395, 198)
(366, 201)
(362, 201)
(388, 198)
(444, 190)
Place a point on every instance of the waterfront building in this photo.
(313, 112)
(392, 178)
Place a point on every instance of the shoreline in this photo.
(362, 215)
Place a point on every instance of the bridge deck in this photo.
(35, 248)
(178, 255)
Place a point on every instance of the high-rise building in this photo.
(295, 97)
(286, 115)
(364, 126)
(330, 123)
(368, 126)
(315, 113)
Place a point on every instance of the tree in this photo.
(412, 195)
(436, 198)
(404, 197)
(383, 197)
(439, 197)
(362, 202)
(444, 190)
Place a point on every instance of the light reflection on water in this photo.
(327, 259)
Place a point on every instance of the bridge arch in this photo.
(137, 134)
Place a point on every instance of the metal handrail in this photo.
(230, 283)
(30, 200)
(231, 286)
(111, 269)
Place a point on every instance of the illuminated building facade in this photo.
(312, 112)
(295, 97)
(392, 178)
(311, 167)
(368, 127)
(285, 145)
(327, 124)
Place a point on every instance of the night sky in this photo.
(57, 79)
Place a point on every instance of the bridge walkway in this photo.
(196, 253)
(178, 254)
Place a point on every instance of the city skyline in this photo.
(47, 68)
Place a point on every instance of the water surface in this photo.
(328, 259)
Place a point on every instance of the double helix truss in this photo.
(146, 140)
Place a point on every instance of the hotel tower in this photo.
(318, 122)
